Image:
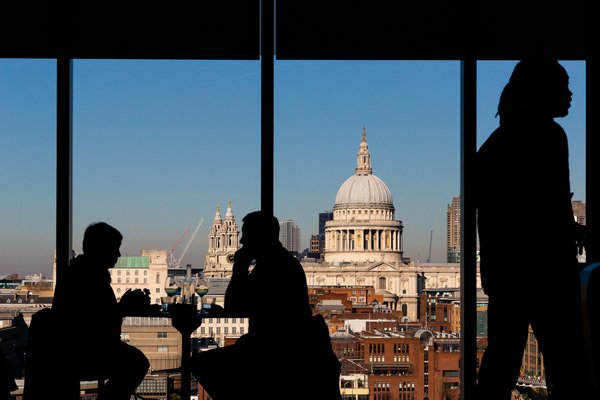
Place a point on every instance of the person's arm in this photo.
(237, 293)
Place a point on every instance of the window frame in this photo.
(64, 139)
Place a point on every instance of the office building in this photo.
(453, 231)
(289, 235)
(323, 218)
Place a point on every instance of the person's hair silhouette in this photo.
(273, 294)
(101, 240)
(528, 236)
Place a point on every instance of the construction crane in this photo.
(430, 239)
(170, 253)
(175, 262)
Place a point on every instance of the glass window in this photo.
(28, 165)
(143, 128)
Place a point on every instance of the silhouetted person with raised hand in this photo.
(285, 343)
(90, 317)
(528, 237)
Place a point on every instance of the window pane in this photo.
(159, 145)
(28, 165)
(376, 144)
(411, 114)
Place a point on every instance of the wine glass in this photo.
(172, 288)
(201, 288)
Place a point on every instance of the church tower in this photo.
(223, 242)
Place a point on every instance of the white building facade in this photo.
(148, 271)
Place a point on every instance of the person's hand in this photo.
(135, 302)
(242, 260)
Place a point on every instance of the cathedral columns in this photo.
(369, 240)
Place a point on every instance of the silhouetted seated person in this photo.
(528, 237)
(286, 347)
(88, 316)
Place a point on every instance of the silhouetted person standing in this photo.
(528, 236)
(286, 348)
(85, 302)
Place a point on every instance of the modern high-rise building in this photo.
(323, 218)
(453, 231)
(289, 235)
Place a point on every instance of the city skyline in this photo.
(158, 145)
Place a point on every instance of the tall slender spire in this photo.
(229, 212)
(218, 215)
(363, 158)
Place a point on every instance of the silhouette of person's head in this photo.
(101, 242)
(260, 231)
(538, 87)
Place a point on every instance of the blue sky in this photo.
(158, 145)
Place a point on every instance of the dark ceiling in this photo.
(305, 29)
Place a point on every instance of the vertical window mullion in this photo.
(267, 103)
(592, 139)
(64, 162)
(468, 266)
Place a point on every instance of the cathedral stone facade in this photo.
(363, 245)
(364, 228)
(223, 241)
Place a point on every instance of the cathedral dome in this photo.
(363, 228)
(364, 189)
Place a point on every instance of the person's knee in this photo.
(142, 362)
(135, 361)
